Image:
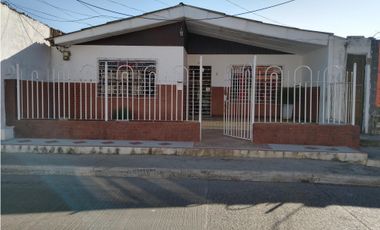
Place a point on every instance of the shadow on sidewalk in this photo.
(36, 194)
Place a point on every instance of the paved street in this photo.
(70, 202)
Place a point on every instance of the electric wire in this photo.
(54, 17)
(64, 10)
(197, 19)
(261, 16)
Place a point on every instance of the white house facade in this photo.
(22, 42)
(148, 67)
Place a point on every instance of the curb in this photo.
(355, 158)
(373, 163)
(234, 175)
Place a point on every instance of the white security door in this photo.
(238, 103)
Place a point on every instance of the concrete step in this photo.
(376, 130)
(373, 155)
(369, 140)
(373, 163)
(212, 124)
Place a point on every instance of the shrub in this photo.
(118, 114)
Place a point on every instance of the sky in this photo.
(341, 17)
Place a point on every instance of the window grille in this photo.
(128, 77)
(268, 83)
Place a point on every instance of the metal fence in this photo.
(278, 96)
(126, 94)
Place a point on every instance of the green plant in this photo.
(121, 114)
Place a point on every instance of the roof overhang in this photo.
(208, 23)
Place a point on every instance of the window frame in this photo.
(100, 92)
(260, 80)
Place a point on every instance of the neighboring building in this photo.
(22, 42)
(152, 63)
(375, 89)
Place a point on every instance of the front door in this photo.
(194, 92)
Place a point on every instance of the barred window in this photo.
(128, 77)
(268, 83)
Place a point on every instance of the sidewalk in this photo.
(217, 147)
(248, 169)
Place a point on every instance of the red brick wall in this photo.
(217, 101)
(306, 134)
(170, 101)
(79, 129)
(10, 99)
(115, 130)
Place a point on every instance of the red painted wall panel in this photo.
(113, 130)
(306, 134)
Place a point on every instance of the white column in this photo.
(367, 90)
(18, 92)
(353, 94)
(200, 94)
(253, 94)
(106, 92)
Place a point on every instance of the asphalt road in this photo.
(69, 202)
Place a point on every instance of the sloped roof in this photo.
(208, 23)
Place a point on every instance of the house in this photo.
(166, 74)
(374, 100)
(22, 40)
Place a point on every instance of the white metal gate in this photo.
(238, 98)
(302, 96)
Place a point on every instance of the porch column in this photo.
(200, 95)
(253, 95)
(353, 94)
(106, 91)
(367, 92)
(18, 92)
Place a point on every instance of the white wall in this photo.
(359, 45)
(83, 63)
(337, 57)
(317, 60)
(221, 63)
(22, 42)
(339, 48)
